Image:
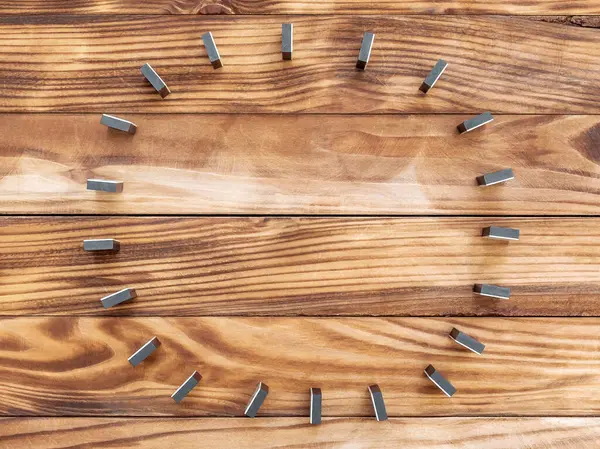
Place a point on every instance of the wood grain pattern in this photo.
(308, 137)
(296, 433)
(311, 164)
(78, 366)
(311, 266)
(502, 64)
(298, 7)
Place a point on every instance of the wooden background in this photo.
(299, 223)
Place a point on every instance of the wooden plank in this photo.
(311, 164)
(286, 433)
(339, 7)
(283, 266)
(78, 366)
(497, 63)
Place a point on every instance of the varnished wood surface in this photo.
(296, 433)
(78, 366)
(298, 7)
(497, 63)
(308, 266)
(310, 136)
(310, 164)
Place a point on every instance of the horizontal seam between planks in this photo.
(240, 417)
(324, 14)
(305, 114)
(337, 317)
(267, 215)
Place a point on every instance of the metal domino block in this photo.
(101, 245)
(287, 40)
(365, 50)
(492, 291)
(186, 387)
(257, 399)
(156, 81)
(466, 341)
(496, 232)
(496, 178)
(315, 405)
(378, 404)
(104, 185)
(119, 297)
(440, 381)
(433, 76)
(475, 122)
(144, 352)
(211, 49)
(118, 123)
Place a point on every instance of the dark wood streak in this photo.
(296, 433)
(531, 366)
(504, 64)
(313, 164)
(298, 266)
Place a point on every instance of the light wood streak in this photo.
(313, 164)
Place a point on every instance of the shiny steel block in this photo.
(315, 405)
(378, 404)
(118, 123)
(496, 178)
(101, 245)
(119, 297)
(496, 232)
(492, 291)
(156, 81)
(466, 341)
(257, 399)
(433, 76)
(144, 352)
(287, 40)
(186, 387)
(475, 122)
(212, 51)
(365, 50)
(104, 185)
(440, 381)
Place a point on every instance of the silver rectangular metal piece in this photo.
(378, 404)
(212, 50)
(101, 245)
(492, 291)
(117, 298)
(475, 122)
(316, 399)
(118, 123)
(144, 352)
(156, 81)
(496, 177)
(433, 76)
(365, 50)
(467, 341)
(104, 185)
(257, 399)
(287, 40)
(499, 233)
(186, 387)
(440, 381)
